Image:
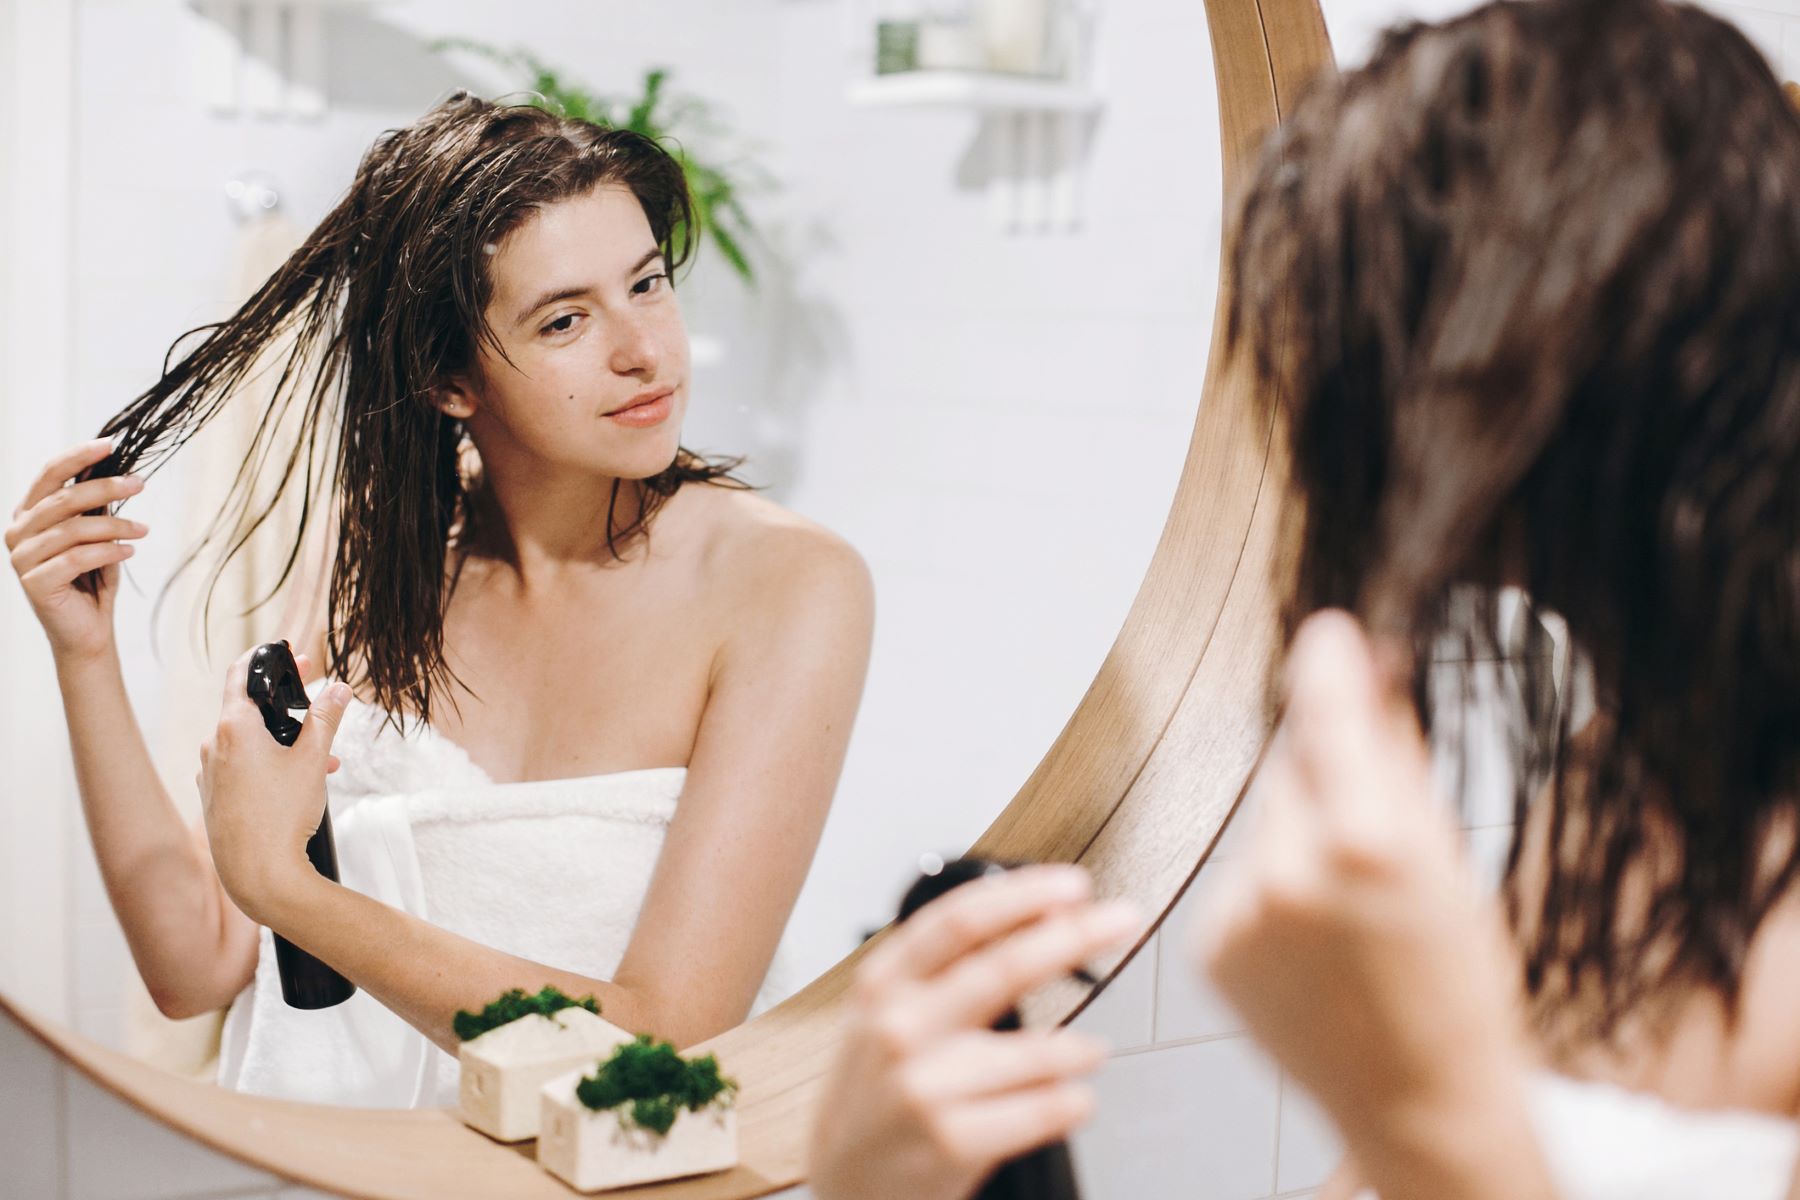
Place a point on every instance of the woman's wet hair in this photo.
(383, 303)
(1525, 291)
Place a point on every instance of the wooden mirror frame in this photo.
(1138, 786)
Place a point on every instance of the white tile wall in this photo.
(1310, 1148)
(1125, 1013)
(30, 1116)
(115, 1154)
(1186, 1007)
(62, 1138)
(1198, 1120)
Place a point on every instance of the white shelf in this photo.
(265, 57)
(978, 90)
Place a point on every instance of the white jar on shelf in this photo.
(949, 37)
(1017, 35)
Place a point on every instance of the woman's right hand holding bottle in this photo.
(925, 1100)
(53, 544)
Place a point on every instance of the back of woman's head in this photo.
(383, 304)
(1527, 291)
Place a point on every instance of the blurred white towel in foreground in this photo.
(1604, 1142)
(187, 707)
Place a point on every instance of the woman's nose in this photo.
(634, 347)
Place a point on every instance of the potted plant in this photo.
(513, 1046)
(644, 1114)
(662, 115)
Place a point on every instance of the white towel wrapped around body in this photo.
(554, 871)
(1604, 1142)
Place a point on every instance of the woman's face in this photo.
(597, 380)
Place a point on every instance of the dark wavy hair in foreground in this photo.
(383, 302)
(1526, 291)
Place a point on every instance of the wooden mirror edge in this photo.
(1138, 786)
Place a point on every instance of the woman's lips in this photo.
(642, 415)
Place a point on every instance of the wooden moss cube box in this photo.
(505, 1069)
(592, 1151)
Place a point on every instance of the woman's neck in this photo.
(542, 531)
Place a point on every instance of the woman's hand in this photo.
(925, 1100)
(1355, 943)
(263, 800)
(53, 544)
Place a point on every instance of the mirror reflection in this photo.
(714, 475)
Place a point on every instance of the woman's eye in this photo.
(562, 324)
(648, 284)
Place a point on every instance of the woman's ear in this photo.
(455, 399)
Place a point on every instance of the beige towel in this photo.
(193, 668)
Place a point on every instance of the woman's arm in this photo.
(192, 947)
(424, 973)
(770, 746)
(194, 950)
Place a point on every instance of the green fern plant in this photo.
(658, 114)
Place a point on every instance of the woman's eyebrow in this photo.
(551, 297)
(566, 293)
(654, 253)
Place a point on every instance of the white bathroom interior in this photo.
(973, 345)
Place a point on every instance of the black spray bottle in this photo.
(276, 689)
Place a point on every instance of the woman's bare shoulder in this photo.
(762, 554)
(749, 533)
(1765, 1040)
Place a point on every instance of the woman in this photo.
(1527, 287)
(551, 622)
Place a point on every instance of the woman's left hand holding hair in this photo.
(263, 800)
(1357, 947)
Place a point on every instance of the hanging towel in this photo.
(187, 705)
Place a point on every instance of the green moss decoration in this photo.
(656, 1082)
(516, 1004)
